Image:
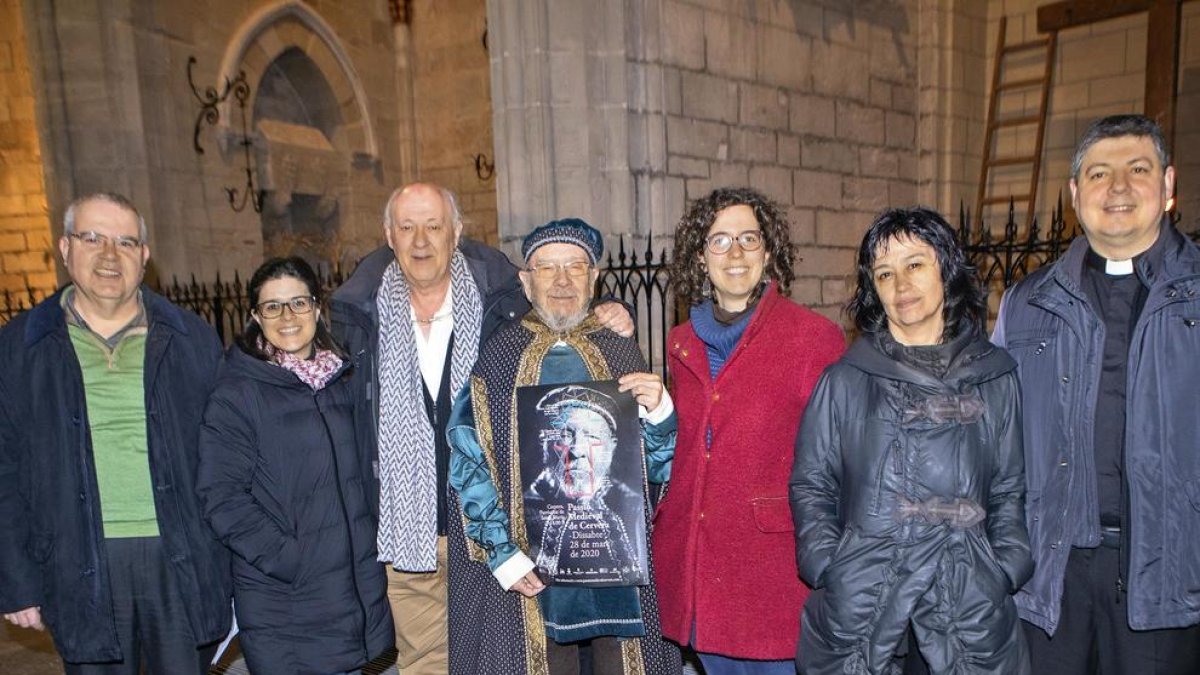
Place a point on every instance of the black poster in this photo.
(582, 477)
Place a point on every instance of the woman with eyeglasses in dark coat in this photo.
(280, 484)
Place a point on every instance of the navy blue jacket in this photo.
(51, 539)
(1048, 325)
(355, 323)
(280, 483)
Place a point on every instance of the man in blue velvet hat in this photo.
(518, 625)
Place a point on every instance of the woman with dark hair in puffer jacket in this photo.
(280, 484)
(908, 488)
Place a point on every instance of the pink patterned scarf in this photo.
(315, 372)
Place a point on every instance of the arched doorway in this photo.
(295, 118)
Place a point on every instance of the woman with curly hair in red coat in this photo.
(741, 372)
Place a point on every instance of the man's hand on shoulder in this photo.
(30, 617)
(615, 317)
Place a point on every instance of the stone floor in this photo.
(30, 652)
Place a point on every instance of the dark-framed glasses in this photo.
(94, 241)
(546, 271)
(721, 242)
(273, 309)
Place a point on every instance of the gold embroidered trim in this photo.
(536, 661)
(631, 656)
(529, 372)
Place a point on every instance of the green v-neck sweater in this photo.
(116, 411)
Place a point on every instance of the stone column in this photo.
(953, 76)
(561, 72)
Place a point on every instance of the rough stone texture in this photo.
(116, 113)
(822, 115)
(452, 106)
(1099, 70)
(26, 257)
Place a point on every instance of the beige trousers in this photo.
(418, 601)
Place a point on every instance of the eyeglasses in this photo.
(721, 242)
(549, 270)
(273, 309)
(94, 241)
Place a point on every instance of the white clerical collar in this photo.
(1118, 268)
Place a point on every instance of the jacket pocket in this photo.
(772, 514)
(993, 561)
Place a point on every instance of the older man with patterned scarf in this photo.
(537, 629)
(412, 318)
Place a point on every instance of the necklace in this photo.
(431, 320)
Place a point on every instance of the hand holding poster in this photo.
(582, 474)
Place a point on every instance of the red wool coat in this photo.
(724, 552)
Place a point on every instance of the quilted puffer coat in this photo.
(907, 494)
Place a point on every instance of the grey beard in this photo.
(561, 324)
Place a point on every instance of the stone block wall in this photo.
(952, 92)
(26, 251)
(452, 106)
(813, 103)
(117, 114)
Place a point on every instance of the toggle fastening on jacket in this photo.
(907, 494)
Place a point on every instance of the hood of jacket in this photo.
(977, 362)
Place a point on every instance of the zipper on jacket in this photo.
(337, 480)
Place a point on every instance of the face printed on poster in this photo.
(582, 475)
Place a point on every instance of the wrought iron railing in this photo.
(225, 305)
(646, 287)
(1004, 259)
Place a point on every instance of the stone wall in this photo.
(117, 113)
(952, 83)
(1100, 70)
(630, 110)
(452, 105)
(813, 103)
(26, 250)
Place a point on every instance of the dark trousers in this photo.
(152, 623)
(1093, 636)
(598, 656)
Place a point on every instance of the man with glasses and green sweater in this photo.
(102, 389)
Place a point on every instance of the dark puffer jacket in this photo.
(880, 439)
(280, 483)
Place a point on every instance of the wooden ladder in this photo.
(999, 87)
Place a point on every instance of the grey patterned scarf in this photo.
(407, 466)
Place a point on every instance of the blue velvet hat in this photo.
(565, 231)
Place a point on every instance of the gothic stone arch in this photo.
(309, 123)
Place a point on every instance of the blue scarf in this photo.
(719, 339)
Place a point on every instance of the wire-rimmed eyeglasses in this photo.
(721, 242)
(546, 271)
(95, 241)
